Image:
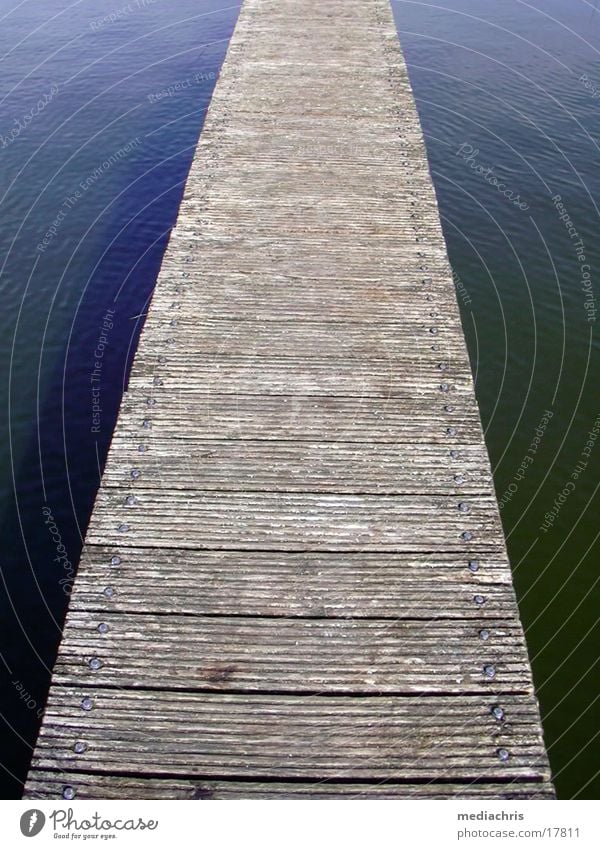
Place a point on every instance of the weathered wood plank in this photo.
(213, 415)
(428, 587)
(51, 785)
(288, 297)
(297, 655)
(310, 339)
(292, 521)
(279, 376)
(295, 581)
(291, 466)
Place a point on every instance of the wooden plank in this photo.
(291, 736)
(284, 295)
(327, 585)
(260, 465)
(279, 376)
(292, 521)
(312, 339)
(343, 341)
(213, 415)
(293, 655)
(52, 785)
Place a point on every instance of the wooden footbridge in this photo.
(295, 581)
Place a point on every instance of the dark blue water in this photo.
(98, 123)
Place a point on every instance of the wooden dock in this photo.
(295, 581)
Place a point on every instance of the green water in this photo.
(511, 91)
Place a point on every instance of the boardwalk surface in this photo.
(295, 581)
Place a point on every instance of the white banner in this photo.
(288, 824)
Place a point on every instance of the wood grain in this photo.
(310, 737)
(45, 784)
(293, 655)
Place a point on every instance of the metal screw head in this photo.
(162, 360)
(474, 565)
(503, 754)
(454, 454)
(115, 560)
(459, 479)
(479, 599)
(87, 703)
(443, 366)
(135, 473)
(130, 500)
(79, 747)
(151, 402)
(451, 431)
(123, 528)
(433, 330)
(173, 322)
(146, 423)
(489, 671)
(445, 387)
(484, 634)
(466, 535)
(185, 274)
(103, 628)
(142, 448)
(108, 592)
(158, 381)
(463, 507)
(449, 408)
(95, 663)
(68, 793)
(434, 347)
(497, 713)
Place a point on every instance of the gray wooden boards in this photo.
(45, 784)
(295, 583)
